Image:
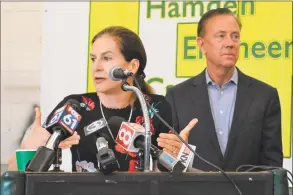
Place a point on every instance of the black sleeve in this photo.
(163, 109)
(166, 114)
(169, 97)
(271, 144)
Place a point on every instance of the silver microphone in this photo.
(102, 144)
(117, 73)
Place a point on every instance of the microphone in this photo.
(117, 73)
(128, 134)
(100, 128)
(186, 156)
(105, 140)
(131, 137)
(106, 159)
(63, 123)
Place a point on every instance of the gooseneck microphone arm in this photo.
(126, 87)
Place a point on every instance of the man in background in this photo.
(239, 117)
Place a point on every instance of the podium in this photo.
(125, 183)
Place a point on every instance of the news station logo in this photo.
(185, 155)
(168, 157)
(56, 116)
(94, 126)
(125, 136)
(67, 117)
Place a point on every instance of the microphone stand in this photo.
(57, 161)
(139, 166)
(126, 87)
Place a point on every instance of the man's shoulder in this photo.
(260, 86)
(184, 85)
(153, 98)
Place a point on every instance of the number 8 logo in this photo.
(125, 136)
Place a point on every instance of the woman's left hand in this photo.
(171, 143)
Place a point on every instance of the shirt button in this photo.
(221, 111)
(220, 132)
(222, 92)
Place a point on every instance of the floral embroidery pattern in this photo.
(121, 150)
(151, 113)
(140, 120)
(87, 103)
(132, 166)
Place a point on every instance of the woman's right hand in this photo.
(40, 136)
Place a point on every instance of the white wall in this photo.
(21, 40)
(37, 40)
(65, 37)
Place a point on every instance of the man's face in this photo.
(220, 41)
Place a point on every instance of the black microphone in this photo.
(101, 129)
(136, 139)
(117, 73)
(107, 162)
(62, 124)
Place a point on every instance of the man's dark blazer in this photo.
(255, 135)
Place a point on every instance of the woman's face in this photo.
(106, 54)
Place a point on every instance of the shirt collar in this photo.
(233, 79)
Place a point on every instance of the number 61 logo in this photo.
(70, 121)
